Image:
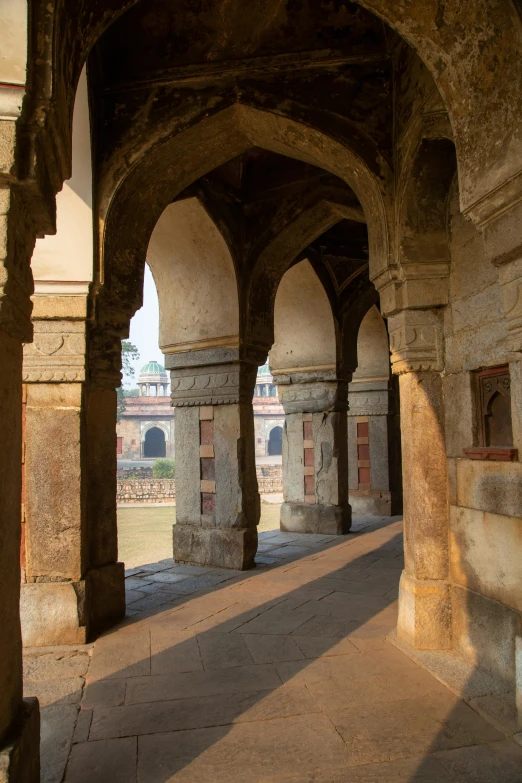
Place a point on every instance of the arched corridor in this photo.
(330, 191)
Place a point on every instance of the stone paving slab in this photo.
(278, 675)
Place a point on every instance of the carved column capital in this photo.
(368, 399)
(57, 353)
(215, 376)
(311, 391)
(416, 341)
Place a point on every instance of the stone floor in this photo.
(278, 675)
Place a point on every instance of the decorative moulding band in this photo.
(491, 453)
(230, 341)
(290, 370)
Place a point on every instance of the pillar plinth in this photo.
(315, 458)
(424, 599)
(73, 586)
(217, 500)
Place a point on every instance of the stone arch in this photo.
(373, 352)
(195, 279)
(459, 45)
(275, 441)
(305, 336)
(154, 442)
(211, 143)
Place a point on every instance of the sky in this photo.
(144, 330)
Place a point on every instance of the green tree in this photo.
(163, 469)
(129, 354)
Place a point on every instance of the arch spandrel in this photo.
(472, 50)
(208, 145)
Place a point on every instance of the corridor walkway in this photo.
(279, 675)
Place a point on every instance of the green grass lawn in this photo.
(145, 533)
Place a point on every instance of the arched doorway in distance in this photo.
(154, 444)
(275, 442)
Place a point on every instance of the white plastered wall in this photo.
(373, 353)
(303, 323)
(63, 263)
(195, 278)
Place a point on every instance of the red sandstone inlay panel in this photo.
(207, 464)
(207, 433)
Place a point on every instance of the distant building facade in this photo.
(146, 429)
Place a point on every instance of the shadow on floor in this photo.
(281, 674)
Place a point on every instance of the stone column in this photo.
(368, 448)
(217, 501)
(424, 597)
(315, 459)
(73, 584)
(19, 718)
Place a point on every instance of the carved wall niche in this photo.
(492, 390)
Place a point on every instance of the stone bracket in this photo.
(416, 341)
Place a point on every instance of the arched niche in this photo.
(304, 328)
(373, 351)
(195, 278)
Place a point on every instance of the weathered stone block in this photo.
(484, 632)
(379, 469)
(221, 547)
(313, 518)
(458, 409)
(20, 757)
(293, 475)
(188, 491)
(479, 542)
(53, 613)
(490, 486)
(370, 504)
(424, 613)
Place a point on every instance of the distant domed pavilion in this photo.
(153, 381)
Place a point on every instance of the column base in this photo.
(308, 518)
(105, 597)
(221, 547)
(56, 613)
(424, 614)
(53, 613)
(20, 756)
(370, 504)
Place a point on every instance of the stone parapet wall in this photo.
(148, 490)
(269, 478)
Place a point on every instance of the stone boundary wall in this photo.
(269, 478)
(149, 490)
(146, 491)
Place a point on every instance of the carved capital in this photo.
(314, 396)
(57, 354)
(368, 403)
(210, 377)
(416, 341)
